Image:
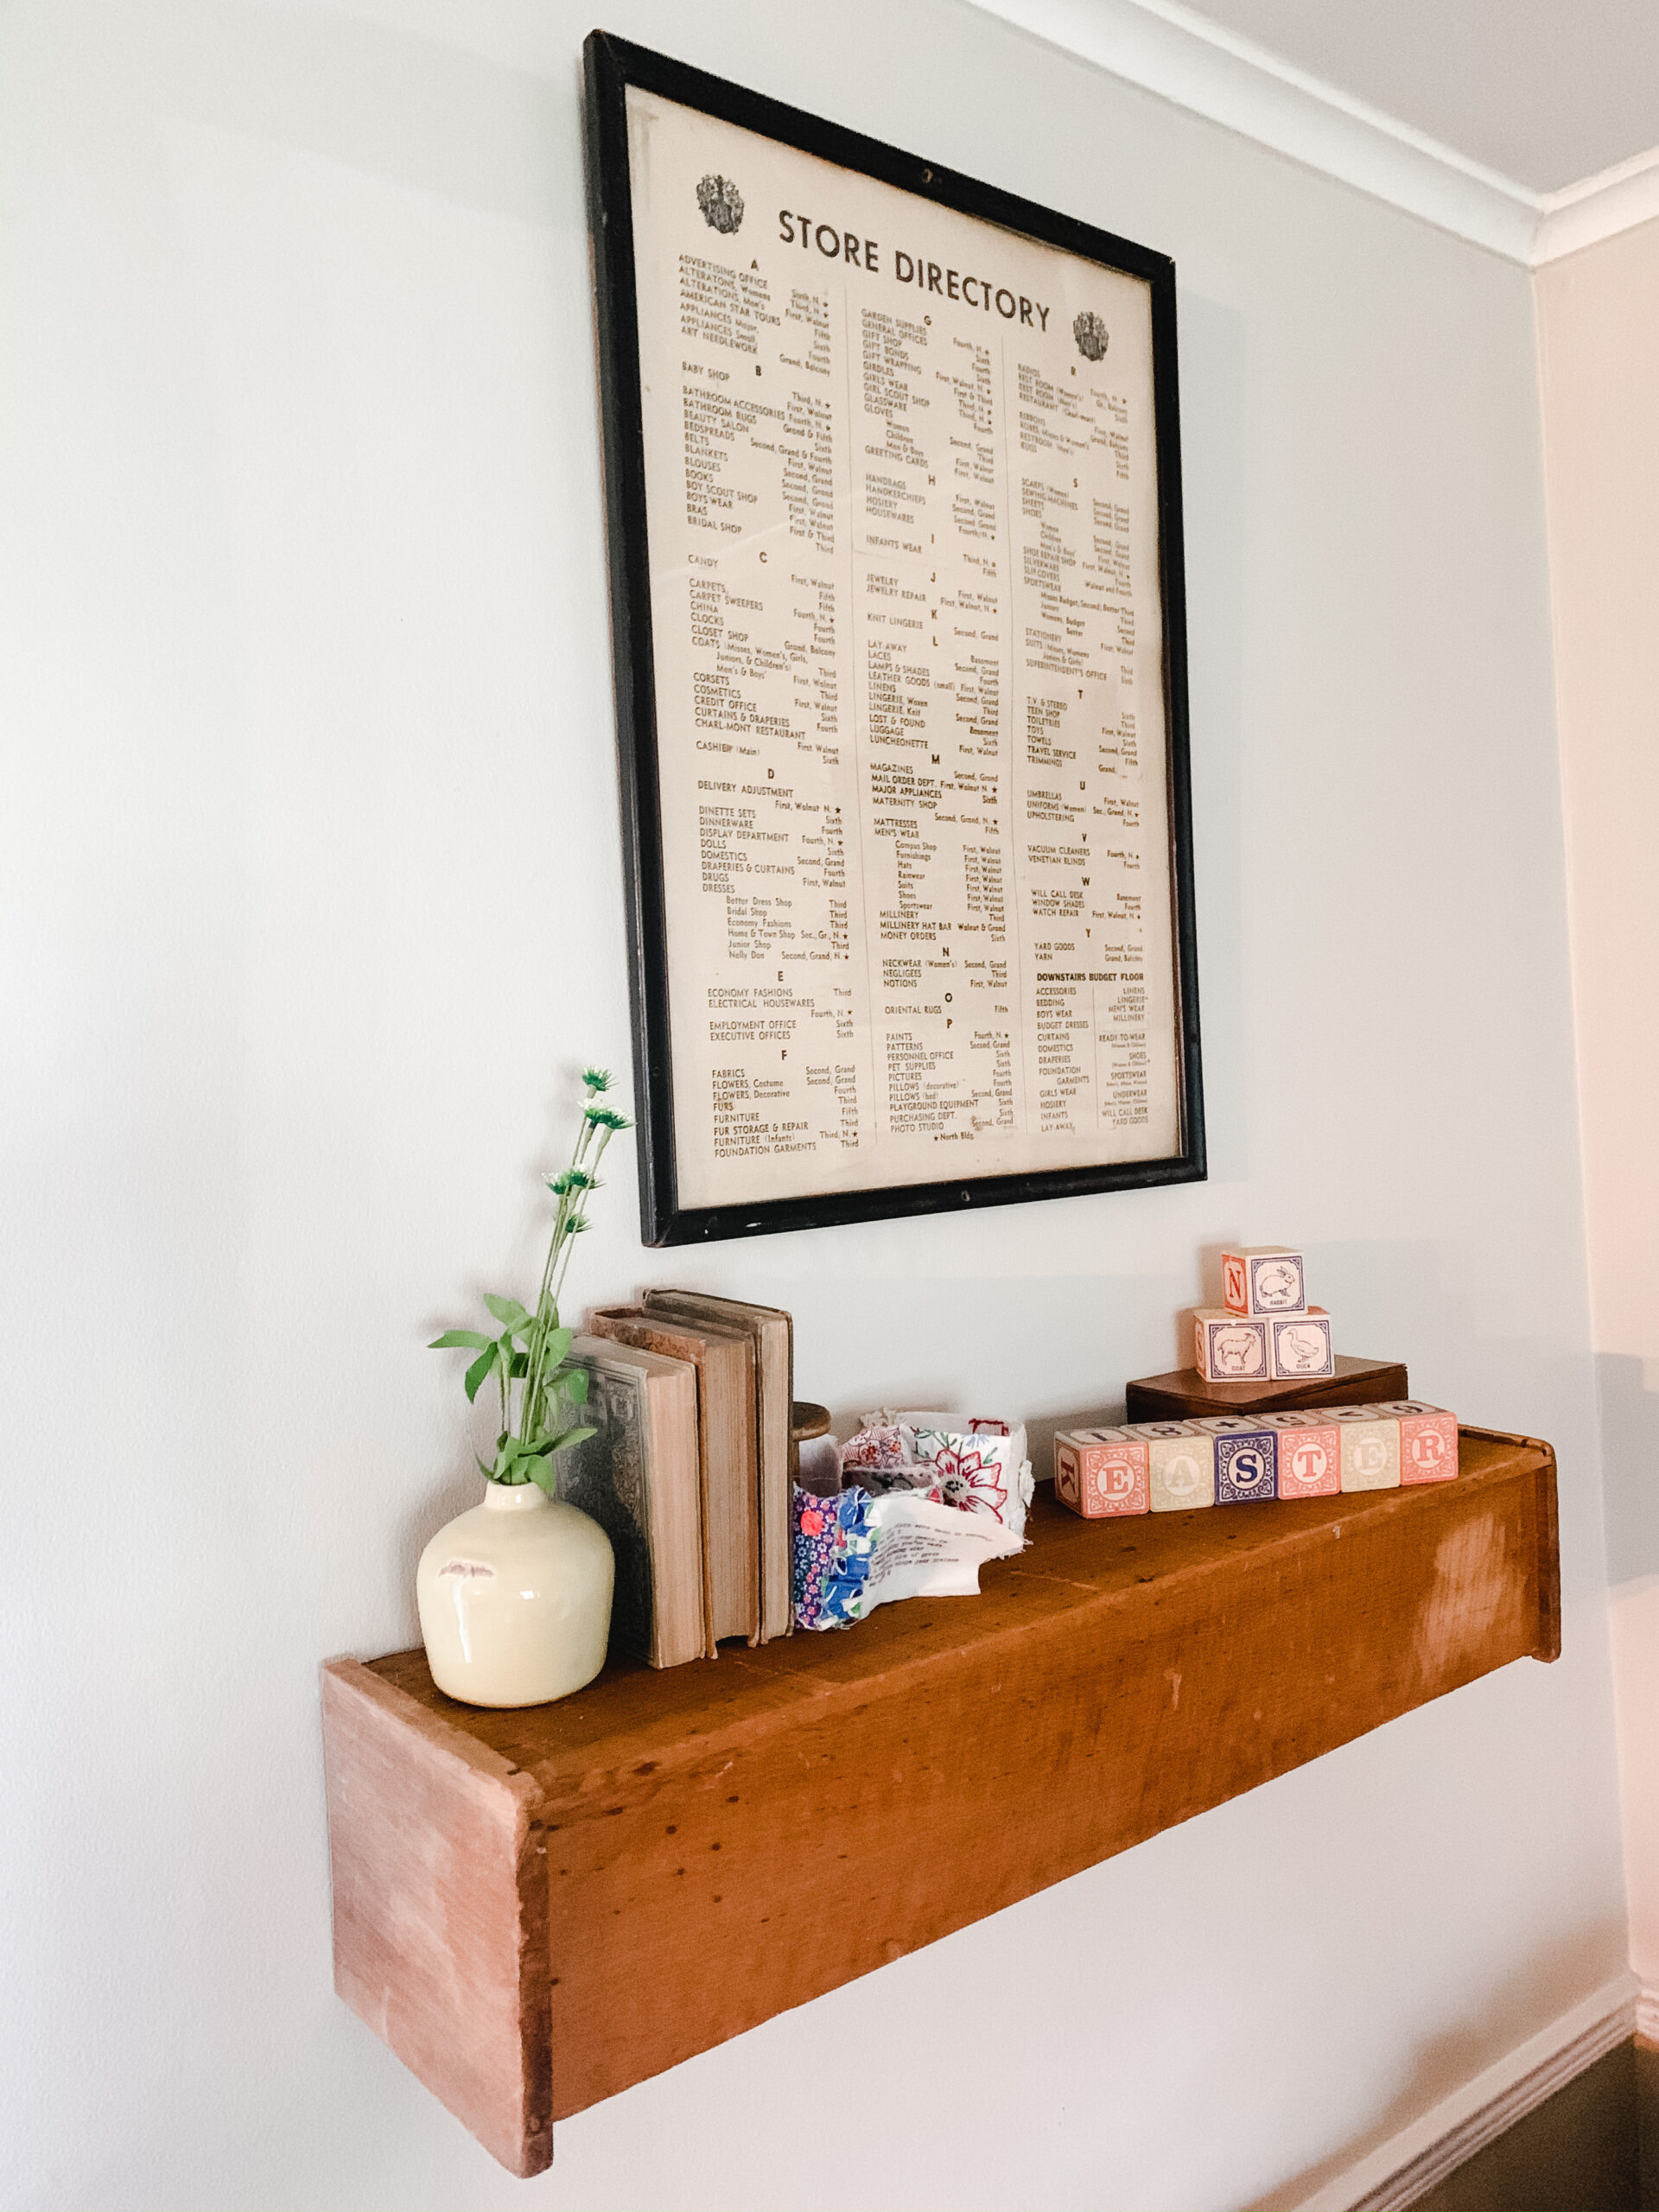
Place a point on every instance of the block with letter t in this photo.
(1309, 1454)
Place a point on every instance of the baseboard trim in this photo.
(1410, 2163)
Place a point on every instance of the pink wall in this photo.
(1598, 345)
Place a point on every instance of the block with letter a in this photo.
(1309, 1454)
(1181, 1463)
(1428, 1441)
(1101, 1473)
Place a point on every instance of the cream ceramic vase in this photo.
(515, 1599)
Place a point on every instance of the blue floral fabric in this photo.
(833, 1543)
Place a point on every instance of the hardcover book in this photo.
(773, 1335)
(724, 1360)
(639, 1476)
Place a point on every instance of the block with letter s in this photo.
(1246, 1457)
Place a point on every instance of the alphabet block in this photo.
(1370, 1447)
(1300, 1347)
(1099, 1472)
(1263, 1278)
(1181, 1463)
(1428, 1441)
(1309, 1454)
(1246, 1457)
(1229, 1347)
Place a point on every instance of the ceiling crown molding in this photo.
(1167, 49)
(1598, 207)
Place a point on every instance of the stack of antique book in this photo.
(687, 1469)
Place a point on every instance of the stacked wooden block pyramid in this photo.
(1266, 1331)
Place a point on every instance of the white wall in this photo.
(312, 903)
(1599, 342)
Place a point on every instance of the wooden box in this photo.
(537, 1909)
(1185, 1394)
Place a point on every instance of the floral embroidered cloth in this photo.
(979, 1467)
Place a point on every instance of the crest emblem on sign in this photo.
(721, 204)
(1091, 335)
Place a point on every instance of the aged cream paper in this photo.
(902, 515)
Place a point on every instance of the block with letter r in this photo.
(1428, 1441)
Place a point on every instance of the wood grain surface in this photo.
(441, 1901)
(735, 1837)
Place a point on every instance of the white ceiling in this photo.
(1545, 91)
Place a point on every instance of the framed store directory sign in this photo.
(894, 499)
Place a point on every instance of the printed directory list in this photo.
(902, 514)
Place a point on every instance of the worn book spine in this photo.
(638, 1477)
(772, 1332)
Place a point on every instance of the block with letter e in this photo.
(1181, 1463)
(1229, 1347)
(1101, 1473)
(1428, 1441)
(1370, 1447)
(1299, 1347)
(1246, 1457)
(1309, 1454)
(1263, 1278)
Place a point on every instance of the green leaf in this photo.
(473, 1340)
(520, 1365)
(574, 1385)
(505, 1309)
(558, 1342)
(479, 1372)
(573, 1436)
(545, 1477)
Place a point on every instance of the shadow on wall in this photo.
(1629, 1444)
(1530, 1997)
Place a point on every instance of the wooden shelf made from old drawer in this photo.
(537, 1909)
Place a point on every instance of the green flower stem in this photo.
(539, 1326)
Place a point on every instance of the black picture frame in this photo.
(611, 65)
